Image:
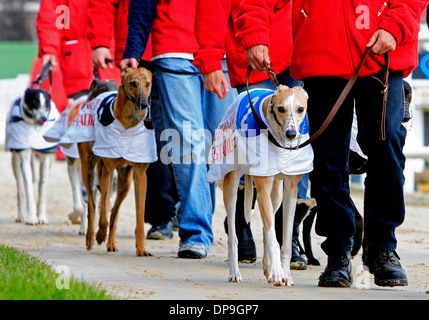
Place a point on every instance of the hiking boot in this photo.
(161, 232)
(338, 272)
(386, 268)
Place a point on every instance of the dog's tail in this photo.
(248, 197)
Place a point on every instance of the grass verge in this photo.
(23, 277)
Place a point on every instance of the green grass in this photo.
(16, 57)
(23, 277)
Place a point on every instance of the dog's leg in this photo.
(88, 162)
(289, 204)
(124, 183)
(276, 200)
(106, 182)
(264, 186)
(230, 187)
(17, 172)
(45, 167)
(28, 185)
(140, 189)
(79, 206)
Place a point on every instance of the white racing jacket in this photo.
(240, 145)
(96, 122)
(23, 135)
(57, 131)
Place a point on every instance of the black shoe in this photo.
(338, 272)
(386, 268)
(161, 232)
(296, 261)
(246, 245)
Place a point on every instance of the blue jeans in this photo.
(384, 207)
(283, 78)
(188, 109)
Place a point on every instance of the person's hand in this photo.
(46, 58)
(129, 62)
(216, 83)
(99, 57)
(258, 57)
(383, 41)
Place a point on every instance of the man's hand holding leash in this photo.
(99, 57)
(129, 62)
(382, 42)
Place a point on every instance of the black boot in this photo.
(386, 268)
(338, 272)
(297, 262)
(246, 244)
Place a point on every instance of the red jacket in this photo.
(173, 27)
(109, 18)
(215, 32)
(330, 36)
(68, 39)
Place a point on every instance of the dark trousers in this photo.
(384, 201)
(161, 196)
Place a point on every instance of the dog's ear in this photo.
(124, 72)
(94, 85)
(304, 93)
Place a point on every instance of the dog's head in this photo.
(286, 111)
(36, 106)
(137, 85)
(98, 87)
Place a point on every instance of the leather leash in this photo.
(335, 108)
(46, 71)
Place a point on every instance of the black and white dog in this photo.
(29, 117)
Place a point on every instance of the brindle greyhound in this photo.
(130, 108)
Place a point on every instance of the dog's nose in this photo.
(291, 134)
(41, 120)
(143, 103)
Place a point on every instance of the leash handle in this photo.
(46, 70)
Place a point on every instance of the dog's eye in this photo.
(133, 84)
(281, 109)
(301, 109)
(147, 84)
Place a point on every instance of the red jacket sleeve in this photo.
(254, 20)
(46, 24)
(402, 19)
(211, 28)
(101, 22)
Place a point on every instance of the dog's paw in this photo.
(236, 277)
(32, 221)
(288, 278)
(74, 217)
(82, 231)
(276, 276)
(111, 247)
(100, 236)
(43, 221)
(89, 241)
(142, 253)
